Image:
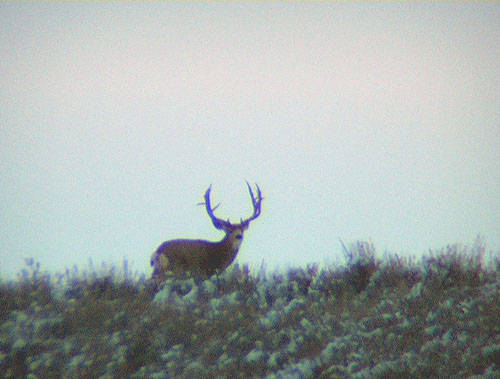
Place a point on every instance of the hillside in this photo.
(372, 318)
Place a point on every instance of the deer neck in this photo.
(232, 242)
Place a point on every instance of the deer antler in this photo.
(222, 224)
(218, 223)
(256, 202)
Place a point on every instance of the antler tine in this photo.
(256, 202)
(218, 223)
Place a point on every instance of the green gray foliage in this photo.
(372, 318)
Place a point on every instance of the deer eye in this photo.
(239, 236)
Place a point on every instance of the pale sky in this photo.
(364, 121)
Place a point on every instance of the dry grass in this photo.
(374, 317)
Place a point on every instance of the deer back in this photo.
(198, 257)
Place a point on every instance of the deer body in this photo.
(199, 257)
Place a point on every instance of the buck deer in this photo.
(204, 258)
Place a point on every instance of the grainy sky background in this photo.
(364, 121)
